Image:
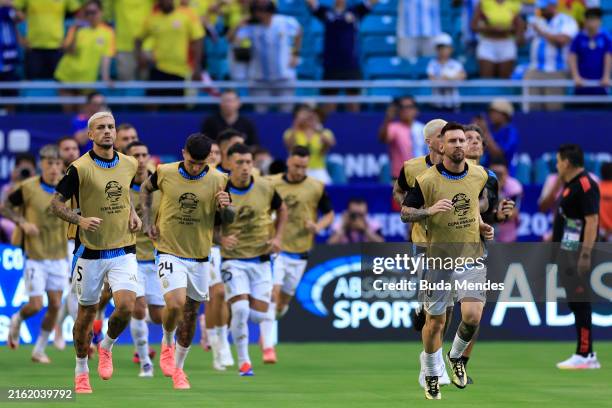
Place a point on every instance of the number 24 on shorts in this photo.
(164, 266)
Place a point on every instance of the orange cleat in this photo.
(246, 370)
(269, 356)
(166, 360)
(81, 384)
(179, 378)
(105, 363)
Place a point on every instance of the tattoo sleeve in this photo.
(398, 193)
(228, 214)
(146, 202)
(59, 209)
(410, 214)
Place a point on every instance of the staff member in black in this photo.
(575, 228)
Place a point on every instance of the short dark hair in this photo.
(198, 146)
(301, 151)
(277, 166)
(25, 157)
(259, 150)
(475, 128)
(135, 143)
(452, 126)
(594, 12)
(302, 106)
(227, 134)
(64, 138)
(572, 153)
(398, 101)
(125, 126)
(228, 91)
(239, 148)
(606, 171)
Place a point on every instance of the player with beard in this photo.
(100, 181)
(445, 196)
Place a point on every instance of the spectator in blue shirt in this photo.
(590, 55)
(501, 137)
(340, 53)
(9, 47)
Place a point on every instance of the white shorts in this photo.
(215, 266)
(148, 284)
(175, 273)
(42, 276)
(88, 277)
(436, 301)
(251, 277)
(288, 270)
(496, 51)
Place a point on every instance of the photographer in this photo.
(355, 225)
(25, 167)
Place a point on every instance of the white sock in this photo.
(41, 341)
(180, 354)
(459, 347)
(282, 312)
(266, 327)
(168, 337)
(107, 343)
(17, 316)
(240, 330)
(81, 366)
(222, 333)
(140, 337)
(432, 363)
(213, 338)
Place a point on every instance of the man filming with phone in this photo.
(356, 226)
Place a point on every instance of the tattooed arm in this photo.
(60, 210)
(146, 202)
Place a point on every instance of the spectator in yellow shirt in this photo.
(45, 32)
(129, 17)
(176, 34)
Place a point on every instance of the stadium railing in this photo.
(478, 91)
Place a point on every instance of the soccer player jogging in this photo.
(149, 293)
(191, 196)
(217, 310)
(447, 196)
(304, 197)
(575, 228)
(45, 247)
(246, 245)
(105, 242)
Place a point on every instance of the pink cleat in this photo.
(246, 370)
(105, 363)
(179, 378)
(41, 358)
(166, 360)
(13, 335)
(81, 384)
(269, 356)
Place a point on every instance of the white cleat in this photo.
(422, 372)
(225, 352)
(444, 379)
(146, 371)
(577, 362)
(40, 358)
(13, 334)
(215, 347)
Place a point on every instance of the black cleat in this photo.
(432, 388)
(417, 317)
(459, 377)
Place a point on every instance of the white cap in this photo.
(443, 39)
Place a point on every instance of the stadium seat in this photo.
(314, 27)
(309, 68)
(378, 45)
(393, 92)
(377, 24)
(523, 169)
(387, 7)
(312, 45)
(218, 68)
(387, 68)
(606, 6)
(418, 69)
(217, 48)
(543, 167)
(607, 21)
(292, 7)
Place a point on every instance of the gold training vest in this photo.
(51, 243)
(253, 222)
(144, 245)
(105, 193)
(302, 200)
(186, 216)
(413, 168)
(460, 225)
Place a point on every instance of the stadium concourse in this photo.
(236, 202)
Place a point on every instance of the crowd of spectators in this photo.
(162, 40)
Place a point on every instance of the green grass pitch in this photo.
(322, 375)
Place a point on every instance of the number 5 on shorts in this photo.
(164, 266)
(79, 270)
